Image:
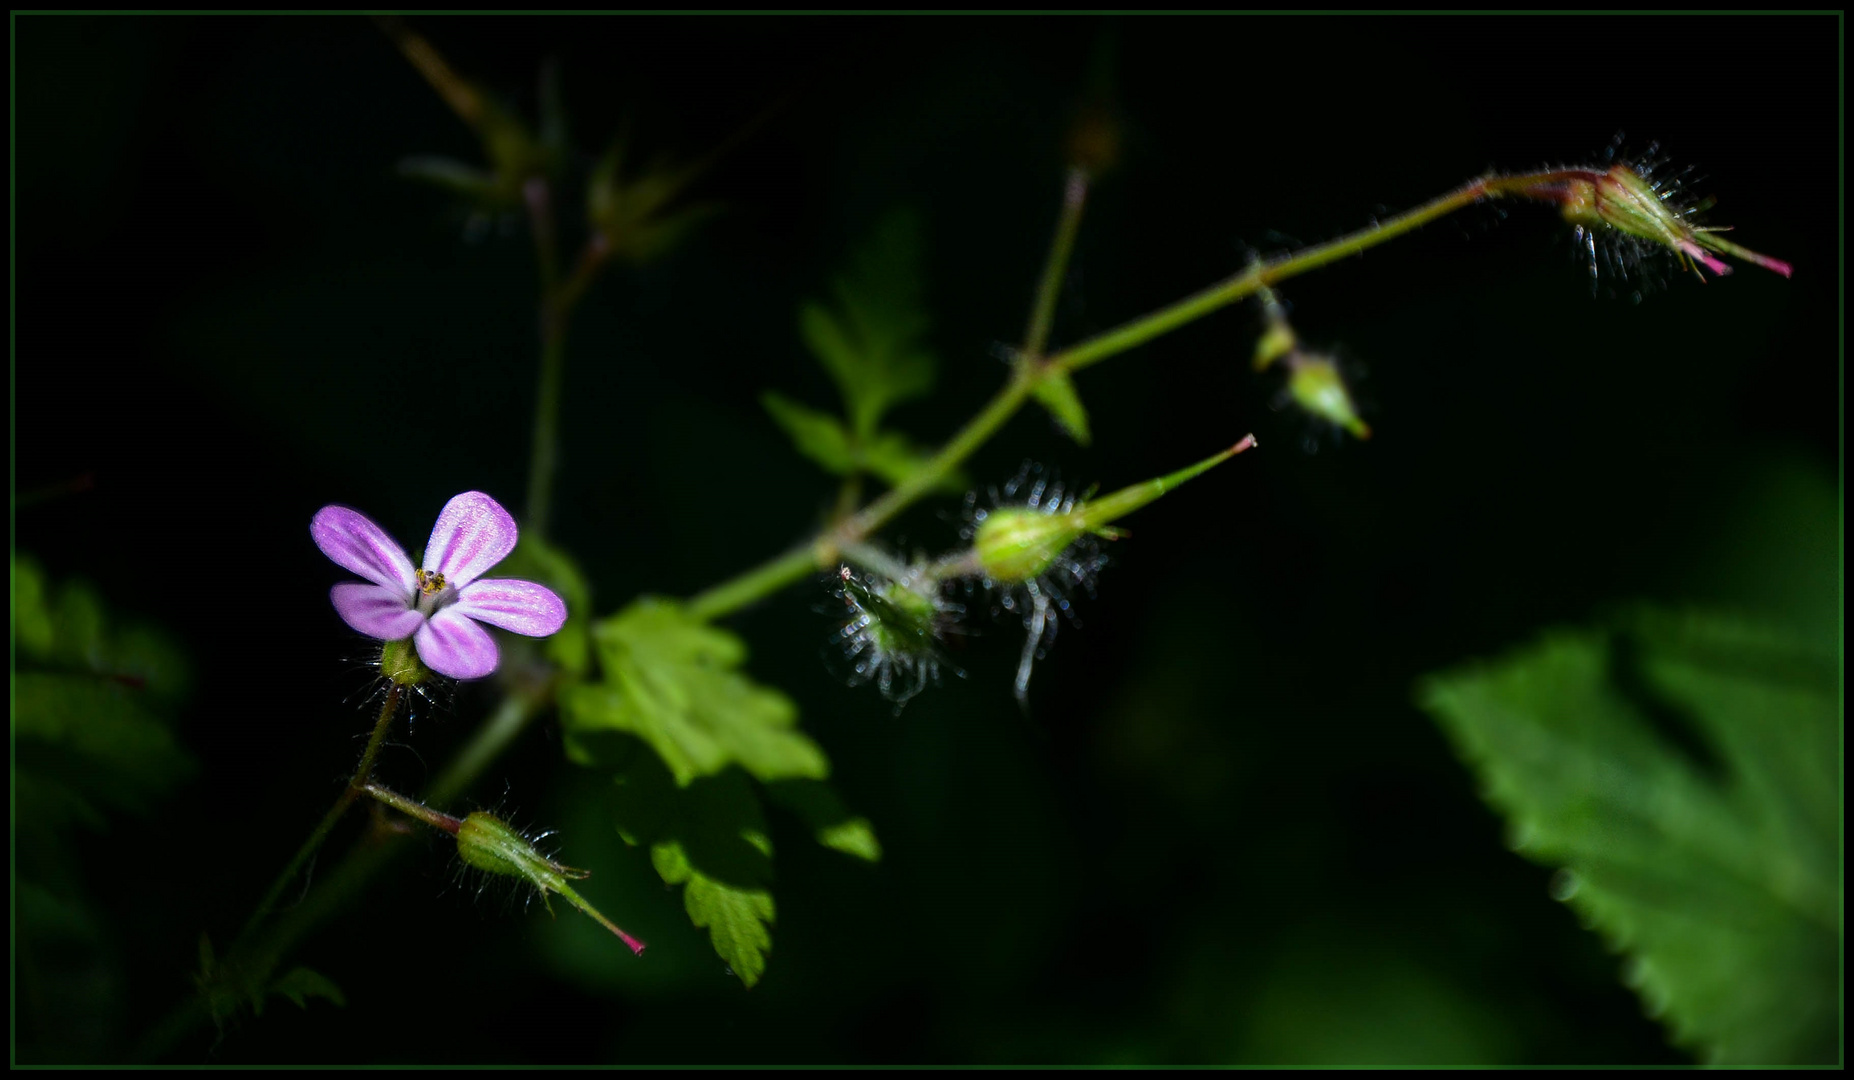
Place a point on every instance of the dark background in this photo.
(1223, 833)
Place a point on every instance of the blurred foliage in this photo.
(1683, 772)
(93, 702)
(871, 342)
(1058, 394)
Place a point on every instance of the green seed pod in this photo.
(1316, 387)
(493, 846)
(1017, 543)
(1014, 544)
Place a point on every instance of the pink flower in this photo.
(438, 607)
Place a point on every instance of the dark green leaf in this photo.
(1684, 773)
(670, 679)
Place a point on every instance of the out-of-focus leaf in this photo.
(1684, 774)
(894, 457)
(819, 436)
(87, 703)
(635, 216)
(871, 339)
(32, 621)
(94, 736)
(89, 736)
(474, 184)
(822, 438)
(301, 984)
(671, 679)
(66, 630)
(1057, 393)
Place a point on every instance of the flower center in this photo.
(433, 591)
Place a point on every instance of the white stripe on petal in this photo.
(357, 544)
(473, 533)
(451, 644)
(521, 606)
(375, 610)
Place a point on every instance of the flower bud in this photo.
(1315, 386)
(495, 847)
(1017, 543)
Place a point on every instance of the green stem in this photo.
(1043, 311)
(354, 789)
(763, 580)
(769, 577)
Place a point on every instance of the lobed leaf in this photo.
(670, 679)
(1684, 773)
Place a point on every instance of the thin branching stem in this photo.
(794, 565)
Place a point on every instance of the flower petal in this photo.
(450, 644)
(375, 610)
(521, 606)
(473, 533)
(357, 544)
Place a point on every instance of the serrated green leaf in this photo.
(670, 679)
(819, 436)
(301, 984)
(737, 919)
(1684, 774)
(1057, 393)
(871, 339)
